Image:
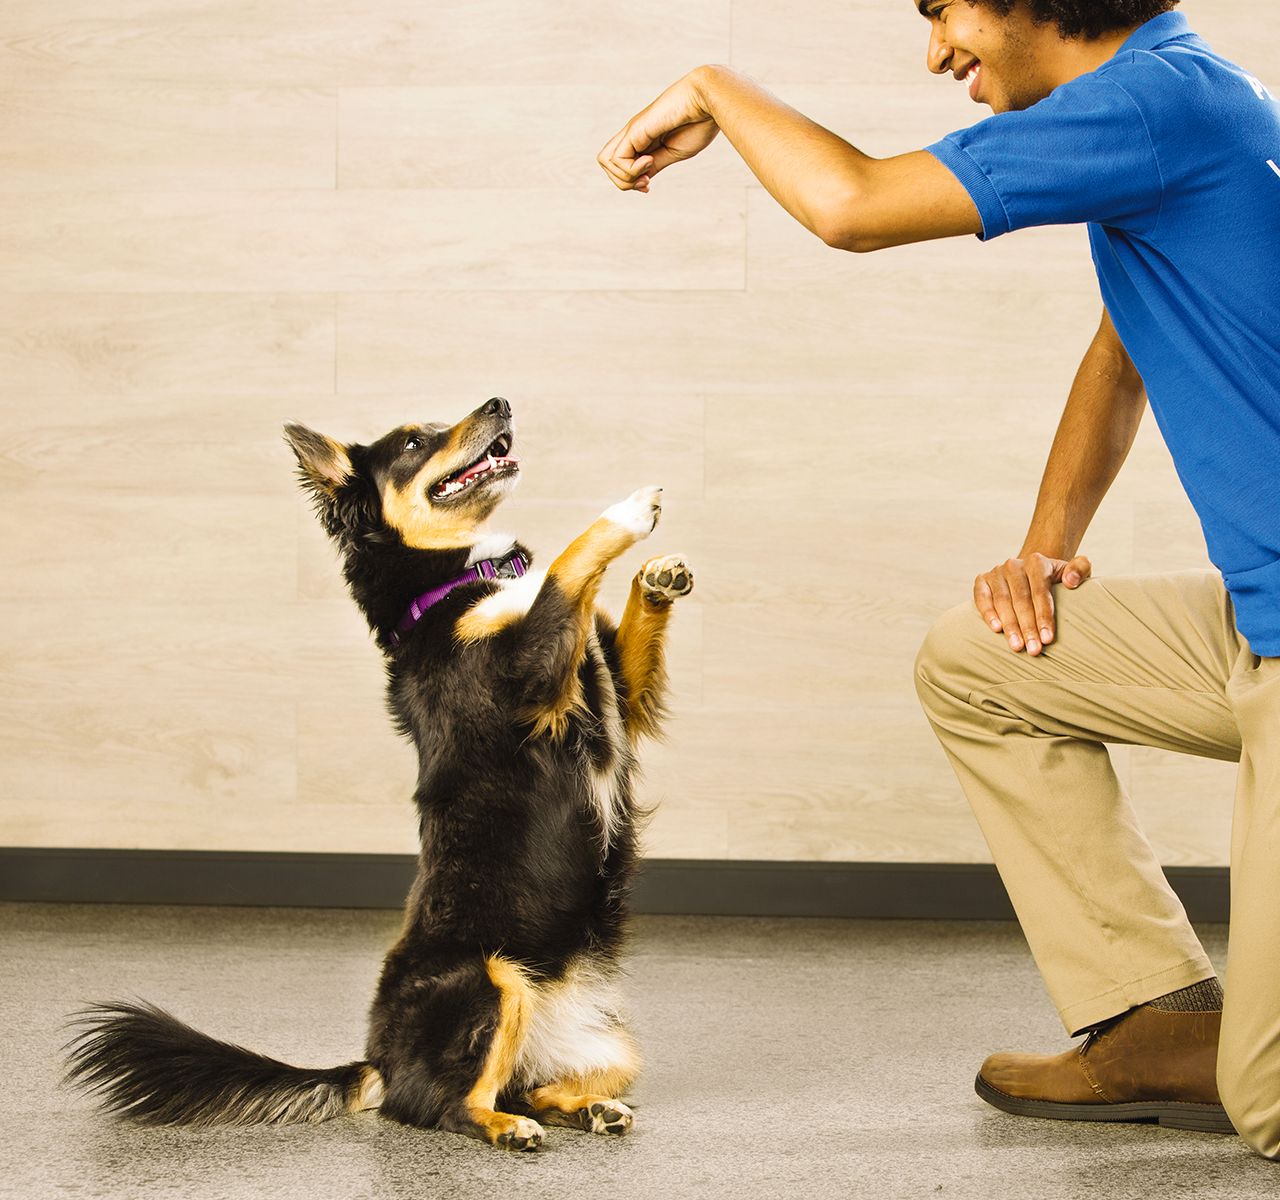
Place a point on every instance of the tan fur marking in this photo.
(500, 609)
(566, 1101)
(514, 1000)
(369, 1093)
(560, 1097)
(578, 571)
(612, 1081)
(641, 633)
(408, 511)
(475, 626)
(324, 461)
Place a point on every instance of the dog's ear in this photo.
(323, 464)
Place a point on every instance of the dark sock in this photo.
(1205, 996)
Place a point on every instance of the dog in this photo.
(498, 1010)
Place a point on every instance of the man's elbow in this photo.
(842, 228)
(853, 239)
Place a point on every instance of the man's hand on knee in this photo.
(1016, 597)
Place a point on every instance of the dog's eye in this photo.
(412, 443)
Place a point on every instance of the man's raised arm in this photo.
(849, 199)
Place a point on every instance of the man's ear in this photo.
(323, 464)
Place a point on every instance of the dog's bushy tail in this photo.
(145, 1064)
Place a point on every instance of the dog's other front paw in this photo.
(518, 1133)
(607, 1116)
(638, 513)
(665, 579)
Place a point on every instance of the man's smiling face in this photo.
(1007, 62)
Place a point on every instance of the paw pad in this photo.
(523, 1135)
(666, 579)
(608, 1117)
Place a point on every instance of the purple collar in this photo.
(510, 566)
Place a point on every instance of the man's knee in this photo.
(1252, 1102)
(947, 655)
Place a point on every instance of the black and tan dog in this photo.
(499, 1005)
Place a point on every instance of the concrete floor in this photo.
(787, 1058)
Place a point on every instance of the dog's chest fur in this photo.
(600, 743)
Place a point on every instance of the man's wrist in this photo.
(1050, 547)
(705, 81)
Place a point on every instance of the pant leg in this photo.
(1249, 1048)
(1143, 661)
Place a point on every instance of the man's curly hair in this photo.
(1085, 18)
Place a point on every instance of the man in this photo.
(1111, 113)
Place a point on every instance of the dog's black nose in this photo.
(497, 407)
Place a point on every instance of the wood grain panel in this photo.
(821, 784)
(954, 279)
(143, 770)
(167, 139)
(365, 240)
(162, 346)
(220, 215)
(857, 42)
(817, 342)
(92, 643)
(1184, 805)
(78, 43)
(74, 545)
(503, 136)
(130, 444)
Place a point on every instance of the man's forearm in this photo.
(1094, 437)
(849, 199)
(807, 169)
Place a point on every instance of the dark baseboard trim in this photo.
(712, 887)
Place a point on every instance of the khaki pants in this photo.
(1151, 661)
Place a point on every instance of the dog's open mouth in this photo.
(493, 464)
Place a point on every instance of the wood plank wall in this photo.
(219, 215)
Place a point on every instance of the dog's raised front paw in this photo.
(638, 513)
(665, 579)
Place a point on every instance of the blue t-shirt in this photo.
(1171, 154)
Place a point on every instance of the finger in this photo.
(1003, 602)
(1077, 571)
(621, 176)
(662, 157)
(983, 602)
(622, 173)
(1040, 574)
(1024, 609)
(621, 160)
(617, 176)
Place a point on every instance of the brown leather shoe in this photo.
(1144, 1065)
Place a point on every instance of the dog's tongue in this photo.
(485, 464)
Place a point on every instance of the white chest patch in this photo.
(493, 545)
(575, 1027)
(513, 598)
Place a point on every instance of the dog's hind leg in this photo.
(476, 1115)
(586, 1102)
(447, 1042)
(641, 637)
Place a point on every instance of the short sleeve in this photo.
(1082, 154)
